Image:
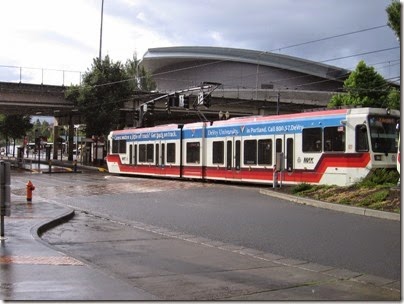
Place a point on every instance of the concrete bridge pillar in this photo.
(70, 139)
(55, 141)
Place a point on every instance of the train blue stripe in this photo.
(147, 136)
(258, 128)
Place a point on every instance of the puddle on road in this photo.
(142, 186)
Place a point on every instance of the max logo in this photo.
(308, 160)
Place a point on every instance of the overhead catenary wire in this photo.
(328, 38)
(303, 43)
(357, 89)
(274, 81)
(296, 77)
(285, 47)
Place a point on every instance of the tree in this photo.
(15, 126)
(141, 79)
(393, 99)
(394, 16)
(42, 129)
(104, 90)
(366, 88)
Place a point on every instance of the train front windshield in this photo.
(383, 133)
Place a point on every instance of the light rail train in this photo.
(337, 147)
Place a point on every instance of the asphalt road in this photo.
(236, 215)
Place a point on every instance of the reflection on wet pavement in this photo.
(106, 187)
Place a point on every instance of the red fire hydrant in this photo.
(30, 188)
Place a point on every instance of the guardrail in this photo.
(34, 75)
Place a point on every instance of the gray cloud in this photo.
(269, 24)
(265, 25)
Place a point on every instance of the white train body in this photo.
(325, 147)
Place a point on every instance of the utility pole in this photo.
(277, 103)
(4, 195)
(102, 14)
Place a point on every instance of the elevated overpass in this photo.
(33, 99)
(49, 100)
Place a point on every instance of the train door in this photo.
(132, 154)
(284, 152)
(289, 152)
(160, 157)
(233, 157)
(279, 152)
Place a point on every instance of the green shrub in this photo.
(301, 187)
(376, 198)
(344, 201)
(379, 177)
(377, 206)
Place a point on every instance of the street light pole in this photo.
(102, 14)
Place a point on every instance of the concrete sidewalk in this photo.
(32, 270)
(169, 266)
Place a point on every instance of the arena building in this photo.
(175, 68)
(252, 82)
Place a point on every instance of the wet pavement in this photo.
(81, 256)
(176, 266)
(32, 270)
(163, 265)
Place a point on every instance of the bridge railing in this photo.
(9, 73)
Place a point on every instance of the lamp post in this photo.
(102, 15)
(95, 156)
(62, 131)
(38, 144)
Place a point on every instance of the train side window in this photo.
(218, 152)
(157, 155)
(250, 152)
(122, 146)
(334, 139)
(289, 154)
(312, 140)
(135, 154)
(171, 153)
(193, 152)
(115, 146)
(142, 153)
(229, 155)
(278, 145)
(150, 153)
(265, 152)
(163, 154)
(118, 146)
(130, 155)
(361, 138)
(237, 154)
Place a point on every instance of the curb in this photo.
(41, 228)
(60, 172)
(335, 207)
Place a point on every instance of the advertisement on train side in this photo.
(162, 135)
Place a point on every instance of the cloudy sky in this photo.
(56, 35)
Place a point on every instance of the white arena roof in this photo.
(157, 58)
